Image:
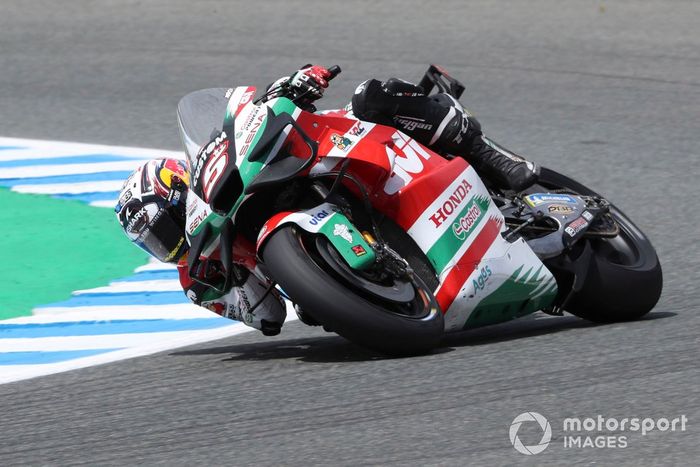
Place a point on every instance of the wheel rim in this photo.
(417, 307)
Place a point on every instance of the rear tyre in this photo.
(624, 278)
(293, 260)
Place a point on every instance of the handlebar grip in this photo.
(334, 71)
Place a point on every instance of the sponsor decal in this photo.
(134, 221)
(318, 217)
(207, 151)
(410, 123)
(342, 231)
(560, 209)
(194, 223)
(541, 198)
(357, 129)
(576, 226)
(247, 96)
(480, 282)
(252, 125)
(587, 215)
(405, 165)
(214, 168)
(228, 93)
(192, 295)
(359, 250)
(171, 255)
(451, 204)
(341, 142)
(464, 225)
(174, 197)
(123, 200)
(216, 307)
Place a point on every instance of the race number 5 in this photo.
(214, 169)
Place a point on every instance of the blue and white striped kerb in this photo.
(87, 172)
(132, 316)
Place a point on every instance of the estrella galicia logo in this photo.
(535, 448)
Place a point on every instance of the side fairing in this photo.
(448, 211)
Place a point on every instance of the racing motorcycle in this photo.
(380, 239)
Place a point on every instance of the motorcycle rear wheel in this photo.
(624, 278)
(294, 262)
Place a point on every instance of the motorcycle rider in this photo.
(151, 211)
(439, 121)
(151, 206)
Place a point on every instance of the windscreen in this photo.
(200, 116)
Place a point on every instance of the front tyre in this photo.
(293, 259)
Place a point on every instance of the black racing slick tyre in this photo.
(624, 279)
(292, 258)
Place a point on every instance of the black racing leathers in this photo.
(440, 122)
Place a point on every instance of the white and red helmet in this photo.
(151, 208)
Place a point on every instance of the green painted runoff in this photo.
(51, 247)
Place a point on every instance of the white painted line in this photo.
(151, 345)
(104, 204)
(112, 312)
(154, 265)
(70, 169)
(70, 188)
(41, 149)
(164, 285)
(110, 341)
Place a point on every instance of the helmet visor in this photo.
(154, 230)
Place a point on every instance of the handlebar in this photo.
(334, 70)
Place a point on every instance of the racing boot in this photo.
(440, 122)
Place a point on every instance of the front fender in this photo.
(324, 219)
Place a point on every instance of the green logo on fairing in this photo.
(464, 225)
(470, 217)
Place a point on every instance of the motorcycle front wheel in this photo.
(315, 278)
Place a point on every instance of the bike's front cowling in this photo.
(249, 181)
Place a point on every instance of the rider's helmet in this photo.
(151, 208)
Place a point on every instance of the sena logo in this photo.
(452, 203)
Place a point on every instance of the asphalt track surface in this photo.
(606, 91)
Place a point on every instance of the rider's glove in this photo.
(310, 81)
(304, 86)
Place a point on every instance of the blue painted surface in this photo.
(7, 148)
(97, 328)
(37, 358)
(150, 276)
(89, 197)
(132, 298)
(71, 178)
